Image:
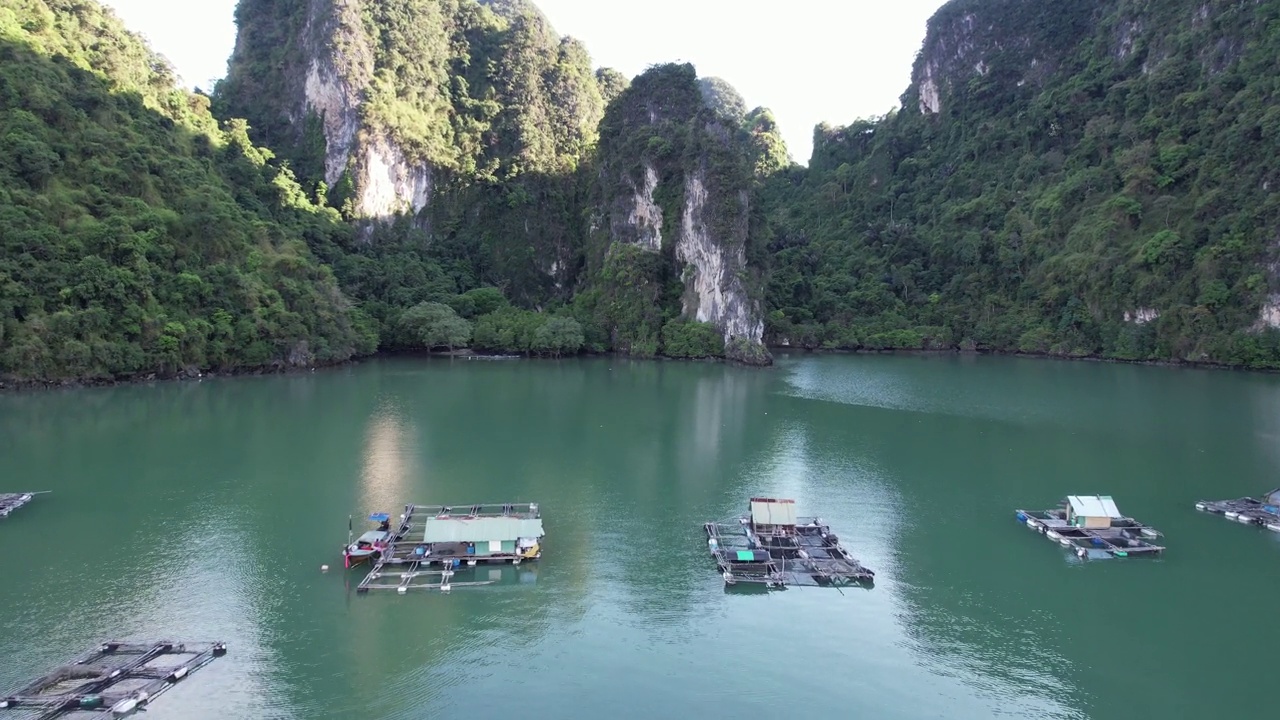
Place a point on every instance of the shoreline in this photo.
(19, 385)
(1184, 364)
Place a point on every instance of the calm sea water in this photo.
(204, 511)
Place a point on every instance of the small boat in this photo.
(369, 546)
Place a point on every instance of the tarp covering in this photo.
(460, 529)
(767, 511)
(1094, 506)
(1272, 498)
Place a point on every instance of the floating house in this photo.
(1264, 511)
(773, 546)
(114, 680)
(1092, 511)
(483, 538)
(1092, 526)
(450, 537)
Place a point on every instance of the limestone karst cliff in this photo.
(477, 124)
(1080, 179)
(1087, 179)
(384, 100)
(673, 214)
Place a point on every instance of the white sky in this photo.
(808, 60)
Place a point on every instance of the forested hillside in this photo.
(1085, 179)
(1094, 178)
(136, 234)
(464, 139)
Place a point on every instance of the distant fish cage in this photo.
(113, 680)
(12, 501)
(1247, 510)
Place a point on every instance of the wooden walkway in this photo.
(113, 680)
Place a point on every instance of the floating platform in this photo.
(1092, 527)
(770, 546)
(12, 501)
(433, 542)
(1247, 510)
(114, 680)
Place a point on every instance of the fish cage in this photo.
(1264, 512)
(774, 547)
(434, 543)
(114, 680)
(1091, 526)
(10, 502)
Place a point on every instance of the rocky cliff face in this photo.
(969, 39)
(476, 119)
(310, 102)
(714, 267)
(386, 101)
(674, 209)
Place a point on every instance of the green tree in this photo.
(558, 336)
(689, 339)
(431, 325)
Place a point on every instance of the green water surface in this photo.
(204, 510)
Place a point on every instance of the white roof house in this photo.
(1096, 511)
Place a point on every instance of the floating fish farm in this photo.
(12, 501)
(1248, 511)
(433, 542)
(113, 680)
(773, 547)
(1091, 526)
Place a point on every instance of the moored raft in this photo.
(773, 547)
(1264, 512)
(114, 680)
(448, 537)
(1091, 526)
(12, 501)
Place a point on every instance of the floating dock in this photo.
(1247, 510)
(433, 542)
(773, 547)
(1091, 526)
(114, 680)
(12, 501)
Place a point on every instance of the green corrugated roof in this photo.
(456, 529)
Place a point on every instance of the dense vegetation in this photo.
(1098, 181)
(136, 234)
(503, 110)
(507, 115)
(482, 92)
(1080, 179)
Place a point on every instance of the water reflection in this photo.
(1265, 396)
(863, 469)
(392, 470)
